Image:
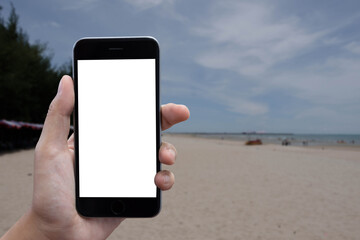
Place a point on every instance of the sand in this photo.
(225, 190)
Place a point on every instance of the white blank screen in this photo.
(117, 128)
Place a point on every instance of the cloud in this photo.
(145, 4)
(275, 51)
(249, 39)
(246, 38)
(246, 107)
(219, 92)
(46, 25)
(79, 5)
(266, 62)
(353, 47)
(336, 82)
(54, 24)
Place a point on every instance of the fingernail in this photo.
(166, 179)
(172, 152)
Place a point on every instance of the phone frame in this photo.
(117, 48)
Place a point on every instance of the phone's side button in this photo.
(117, 207)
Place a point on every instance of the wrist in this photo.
(26, 228)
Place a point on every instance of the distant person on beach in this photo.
(52, 214)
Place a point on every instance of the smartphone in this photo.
(116, 126)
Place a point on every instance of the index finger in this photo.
(172, 114)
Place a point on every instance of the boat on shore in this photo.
(253, 142)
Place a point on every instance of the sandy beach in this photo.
(225, 190)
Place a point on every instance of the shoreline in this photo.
(337, 146)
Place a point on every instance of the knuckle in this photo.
(44, 151)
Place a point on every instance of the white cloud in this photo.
(246, 38)
(79, 4)
(220, 92)
(54, 24)
(246, 107)
(145, 4)
(250, 50)
(315, 113)
(235, 100)
(332, 41)
(253, 40)
(325, 120)
(353, 47)
(333, 82)
(249, 39)
(46, 25)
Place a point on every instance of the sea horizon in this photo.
(297, 139)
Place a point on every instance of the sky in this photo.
(268, 66)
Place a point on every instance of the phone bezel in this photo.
(117, 48)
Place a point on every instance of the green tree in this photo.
(28, 82)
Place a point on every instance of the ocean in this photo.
(293, 139)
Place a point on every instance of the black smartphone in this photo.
(116, 126)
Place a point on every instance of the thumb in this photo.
(57, 123)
